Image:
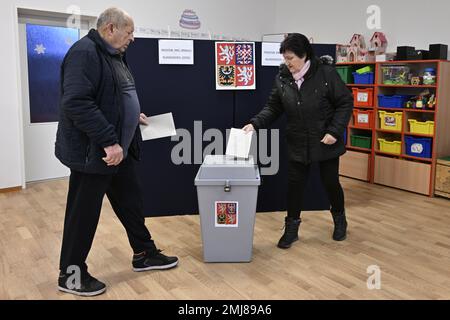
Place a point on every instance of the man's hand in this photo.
(329, 140)
(114, 155)
(248, 128)
(143, 119)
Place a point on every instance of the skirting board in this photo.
(7, 190)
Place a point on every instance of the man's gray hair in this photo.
(116, 16)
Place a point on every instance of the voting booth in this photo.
(227, 190)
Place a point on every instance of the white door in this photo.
(39, 138)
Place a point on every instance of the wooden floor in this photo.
(406, 235)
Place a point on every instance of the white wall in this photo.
(405, 22)
(227, 17)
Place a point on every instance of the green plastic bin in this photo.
(346, 73)
(361, 141)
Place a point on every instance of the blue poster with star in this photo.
(46, 48)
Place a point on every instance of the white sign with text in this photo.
(176, 52)
(271, 54)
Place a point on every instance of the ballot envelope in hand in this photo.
(159, 126)
(239, 143)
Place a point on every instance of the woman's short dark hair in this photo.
(298, 44)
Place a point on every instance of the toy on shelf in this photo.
(357, 52)
(431, 102)
(429, 76)
(342, 53)
(395, 75)
(378, 43)
(422, 100)
(415, 81)
(420, 103)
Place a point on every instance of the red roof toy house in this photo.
(357, 51)
(379, 43)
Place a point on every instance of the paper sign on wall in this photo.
(271, 56)
(235, 66)
(176, 52)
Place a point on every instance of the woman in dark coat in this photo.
(318, 106)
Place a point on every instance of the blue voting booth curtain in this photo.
(46, 48)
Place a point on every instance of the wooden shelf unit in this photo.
(401, 171)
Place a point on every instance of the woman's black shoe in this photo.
(290, 232)
(340, 226)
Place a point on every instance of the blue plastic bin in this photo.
(366, 78)
(418, 147)
(396, 101)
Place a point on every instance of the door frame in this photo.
(39, 15)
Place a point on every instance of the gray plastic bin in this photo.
(227, 191)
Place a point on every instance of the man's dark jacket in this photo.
(323, 105)
(91, 107)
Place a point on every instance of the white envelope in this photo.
(239, 143)
(160, 126)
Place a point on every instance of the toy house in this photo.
(379, 43)
(357, 51)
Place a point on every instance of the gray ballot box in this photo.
(227, 190)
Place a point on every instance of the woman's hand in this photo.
(248, 128)
(329, 140)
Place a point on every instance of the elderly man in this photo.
(98, 139)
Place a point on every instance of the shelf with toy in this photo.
(406, 98)
(425, 100)
(410, 128)
(405, 74)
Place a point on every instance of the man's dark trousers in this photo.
(84, 203)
